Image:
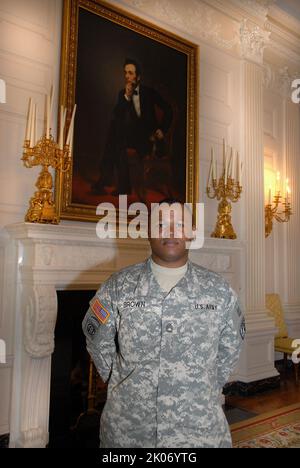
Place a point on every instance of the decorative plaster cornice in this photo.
(255, 24)
(287, 22)
(255, 10)
(193, 17)
(285, 36)
(258, 8)
(253, 41)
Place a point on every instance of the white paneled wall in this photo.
(219, 115)
(30, 33)
(29, 63)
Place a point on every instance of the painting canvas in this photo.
(135, 133)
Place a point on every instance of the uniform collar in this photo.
(147, 284)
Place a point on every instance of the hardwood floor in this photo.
(287, 394)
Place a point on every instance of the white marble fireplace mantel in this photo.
(47, 258)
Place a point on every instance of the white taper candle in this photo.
(28, 122)
(48, 117)
(31, 139)
(224, 157)
(71, 126)
(210, 169)
(35, 125)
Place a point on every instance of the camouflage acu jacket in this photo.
(166, 357)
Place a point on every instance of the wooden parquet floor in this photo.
(287, 394)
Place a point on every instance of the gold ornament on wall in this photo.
(46, 152)
(277, 208)
(226, 189)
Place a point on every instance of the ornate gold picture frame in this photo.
(143, 144)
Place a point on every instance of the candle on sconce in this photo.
(215, 169)
(230, 164)
(50, 107)
(60, 137)
(233, 167)
(35, 124)
(226, 170)
(32, 126)
(270, 195)
(28, 122)
(213, 164)
(224, 156)
(71, 141)
(71, 127)
(47, 117)
(237, 166)
(210, 168)
(278, 183)
(288, 191)
(51, 101)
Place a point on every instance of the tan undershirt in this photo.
(166, 277)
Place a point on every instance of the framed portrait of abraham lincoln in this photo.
(136, 125)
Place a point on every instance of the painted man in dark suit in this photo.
(140, 122)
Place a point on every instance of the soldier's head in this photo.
(170, 231)
(132, 72)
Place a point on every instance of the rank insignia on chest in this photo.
(100, 311)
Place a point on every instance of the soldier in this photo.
(166, 335)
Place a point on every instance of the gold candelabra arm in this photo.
(233, 190)
(211, 190)
(29, 155)
(271, 212)
(64, 159)
(285, 215)
(276, 201)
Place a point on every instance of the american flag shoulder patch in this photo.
(100, 311)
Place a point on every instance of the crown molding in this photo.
(284, 20)
(253, 10)
(198, 20)
(255, 25)
(285, 36)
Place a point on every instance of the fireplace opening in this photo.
(77, 393)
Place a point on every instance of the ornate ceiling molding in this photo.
(256, 8)
(285, 35)
(242, 27)
(193, 17)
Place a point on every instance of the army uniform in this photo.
(166, 357)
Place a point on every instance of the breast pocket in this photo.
(139, 332)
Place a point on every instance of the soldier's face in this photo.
(169, 237)
(130, 74)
